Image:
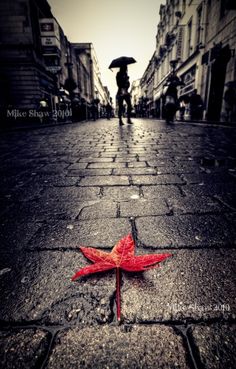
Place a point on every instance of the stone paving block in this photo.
(195, 205)
(152, 192)
(39, 289)
(36, 179)
(11, 172)
(145, 347)
(114, 150)
(53, 168)
(65, 181)
(209, 189)
(70, 194)
(160, 162)
(121, 193)
(16, 163)
(36, 211)
(139, 153)
(142, 207)
(23, 348)
(71, 234)
(148, 156)
(185, 231)
(104, 181)
(89, 172)
(106, 165)
(184, 159)
(78, 165)
(28, 192)
(101, 209)
(134, 171)
(206, 178)
(46, 180)
(126, 159)
(91, 159)
(15, 233)
(138, 164)
(215, 345)
(165, 154)
(57, 159)
(192, 284)
(174, 169)
(107, 155)
(159, 179)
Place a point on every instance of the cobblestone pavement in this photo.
(172, 187)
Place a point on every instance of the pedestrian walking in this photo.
(108, 111)
(122, 80)
(171, 97)
(183, 102)
(94, 110)
(230, 102)
(196, 106)
(181, 109)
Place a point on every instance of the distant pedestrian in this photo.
(94, 110)
(183, 101)
(44, 110)
(108, 110)
(230, 103)
(181, 109)
(122, 80)
(196, 106)
(170, 98)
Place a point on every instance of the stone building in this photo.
(197, 40)
(219, 59)
(92, 91)
(24, 78)
(179, 44)
(136, 94)
(147, 86)
(41, 72)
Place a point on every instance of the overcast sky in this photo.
(118, 27)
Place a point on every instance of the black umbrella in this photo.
(121, 61)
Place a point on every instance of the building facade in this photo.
(147, 87)
(24, 78)
(198, 39)
(136, 94)
(40, 70)
(94, 94)
(219, 59)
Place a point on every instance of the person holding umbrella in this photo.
(122, 80)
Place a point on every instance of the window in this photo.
(189, 47)
(199, 27)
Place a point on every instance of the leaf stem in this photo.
(118, 309)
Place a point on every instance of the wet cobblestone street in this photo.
(173, 187)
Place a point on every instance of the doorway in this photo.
(218, 72)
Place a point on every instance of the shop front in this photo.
(188, 78)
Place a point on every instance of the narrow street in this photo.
(173, 188)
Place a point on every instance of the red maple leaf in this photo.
(121, 257)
